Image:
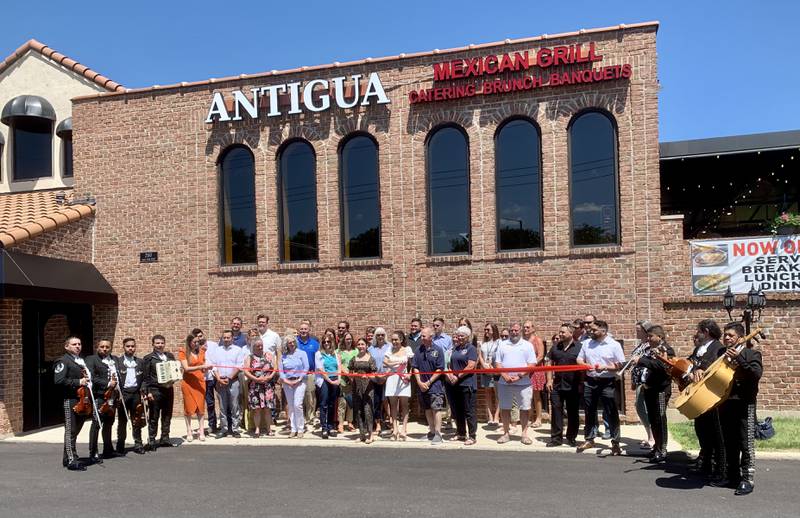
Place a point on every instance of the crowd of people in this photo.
(246, 381)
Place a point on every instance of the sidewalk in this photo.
(631, 435)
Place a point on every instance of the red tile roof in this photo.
(62, 60)
(26, 215)
(337, 64)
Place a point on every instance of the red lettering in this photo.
(752, 248)
(769, 247)
(473, 67)
(470, 90)
(522, 61)
(506, 63)
(413, 97)
(738, 249)
(626, 71)
(592, 55)
(555, 79)
(527, 82)
(579, 57)
(490, 65)
(487, 88)
(597, 75)
(442, 72)
(608, 73)
(544, 58)
(458, 69)
(788, 247)
(560, 55)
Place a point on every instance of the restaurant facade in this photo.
(510, 181)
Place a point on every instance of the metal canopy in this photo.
(28, 276)
(730, 145)
(27, 106)
(64, 128)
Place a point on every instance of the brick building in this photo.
(505, 181)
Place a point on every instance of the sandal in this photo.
(503, 439)
(368, 441)
(469, 442)
(201, 436)
(456, 438)
(527, 441)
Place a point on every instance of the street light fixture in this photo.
(756, 301)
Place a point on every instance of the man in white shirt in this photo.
(272, 342)
(605, 357)
(515, 386)
(227, 358)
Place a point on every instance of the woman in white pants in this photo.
(294, 368)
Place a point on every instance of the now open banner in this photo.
(769, 263)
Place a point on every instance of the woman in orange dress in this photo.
(193, 360)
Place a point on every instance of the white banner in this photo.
(769, 263)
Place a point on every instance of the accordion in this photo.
(168, 372)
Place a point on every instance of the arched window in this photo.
(30, 121)
(237, 206)
(64, 132)
(361, 212)
(593, 180)
(297, 179)
(448, 191)
(518, 186)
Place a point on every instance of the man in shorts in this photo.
(515, 386)
(427, 363)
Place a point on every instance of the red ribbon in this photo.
(537, 368)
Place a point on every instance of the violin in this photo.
(108, 408)
(84, 404)
(140, 413)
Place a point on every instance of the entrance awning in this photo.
(26, 276)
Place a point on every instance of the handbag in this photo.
(764, 429)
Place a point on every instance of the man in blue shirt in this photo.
(239, 338)
(430, 359)
(309, 345)
(440, 338)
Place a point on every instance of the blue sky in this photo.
(725, 68)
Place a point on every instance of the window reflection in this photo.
(593, 180)
(448, 191)
(361, 227)
(518, 186)
(298, 200)
(238, 206)
(33, 148)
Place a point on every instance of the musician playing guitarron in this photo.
(738, 412)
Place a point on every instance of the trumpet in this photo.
(638, 351)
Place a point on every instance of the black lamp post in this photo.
(756, 301)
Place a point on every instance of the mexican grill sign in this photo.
(505, 73)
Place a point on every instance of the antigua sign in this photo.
(315, 96)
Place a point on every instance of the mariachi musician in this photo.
(103, 367)
(657, 388)
(70, 374)
(160, 397)
(131, 372)
(711, 461)
(738, 412)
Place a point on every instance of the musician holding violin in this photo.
(71, 375)
(656, 387)
(103, 367)
(131, 371)
(161, 397)
(738, 412)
